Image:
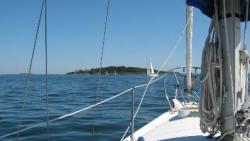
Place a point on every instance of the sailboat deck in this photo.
(168, 127)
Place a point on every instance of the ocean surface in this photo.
(68, 93)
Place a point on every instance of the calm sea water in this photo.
(68, 93)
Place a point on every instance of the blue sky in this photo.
(137, 30)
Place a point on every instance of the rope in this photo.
(29, 71)
(86, 108)
(101, 61)
(217, 29)
(223, 136)
(132, 114)
(196, 95)
(177, 81)
(166, 95)
(228, 53)
(209, 111)
(139, 86)
(163, 65)
(143, 85)
(46, 72)
(211, 88)
(245, 27)
(66, 115)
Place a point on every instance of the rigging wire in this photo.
(163, 65)
(86, 108)
(228, 54)
(48, 121)
(100, 68)
(218, 30)
(245, 27)
(177, 82)
(26, 83)
(245, 46)
(101, 62)
(46, 71)
(166, 94)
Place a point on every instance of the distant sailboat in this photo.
(150, 71)
(115, 71)
(223, 111)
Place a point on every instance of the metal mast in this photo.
(189, 31)
(234, 68)
(224, 103)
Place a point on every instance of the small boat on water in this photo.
(106, 73)
(150, 71)
(221, 111)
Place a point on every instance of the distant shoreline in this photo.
(112, 70)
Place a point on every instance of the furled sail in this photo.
(207, 8)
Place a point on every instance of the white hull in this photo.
(167, 127)
(152, 75)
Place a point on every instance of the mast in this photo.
(224, 98)
(234, 69)
(189, 21)
(229, 43)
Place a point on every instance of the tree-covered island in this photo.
(113, 70)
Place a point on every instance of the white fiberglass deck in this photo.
(169, 128)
